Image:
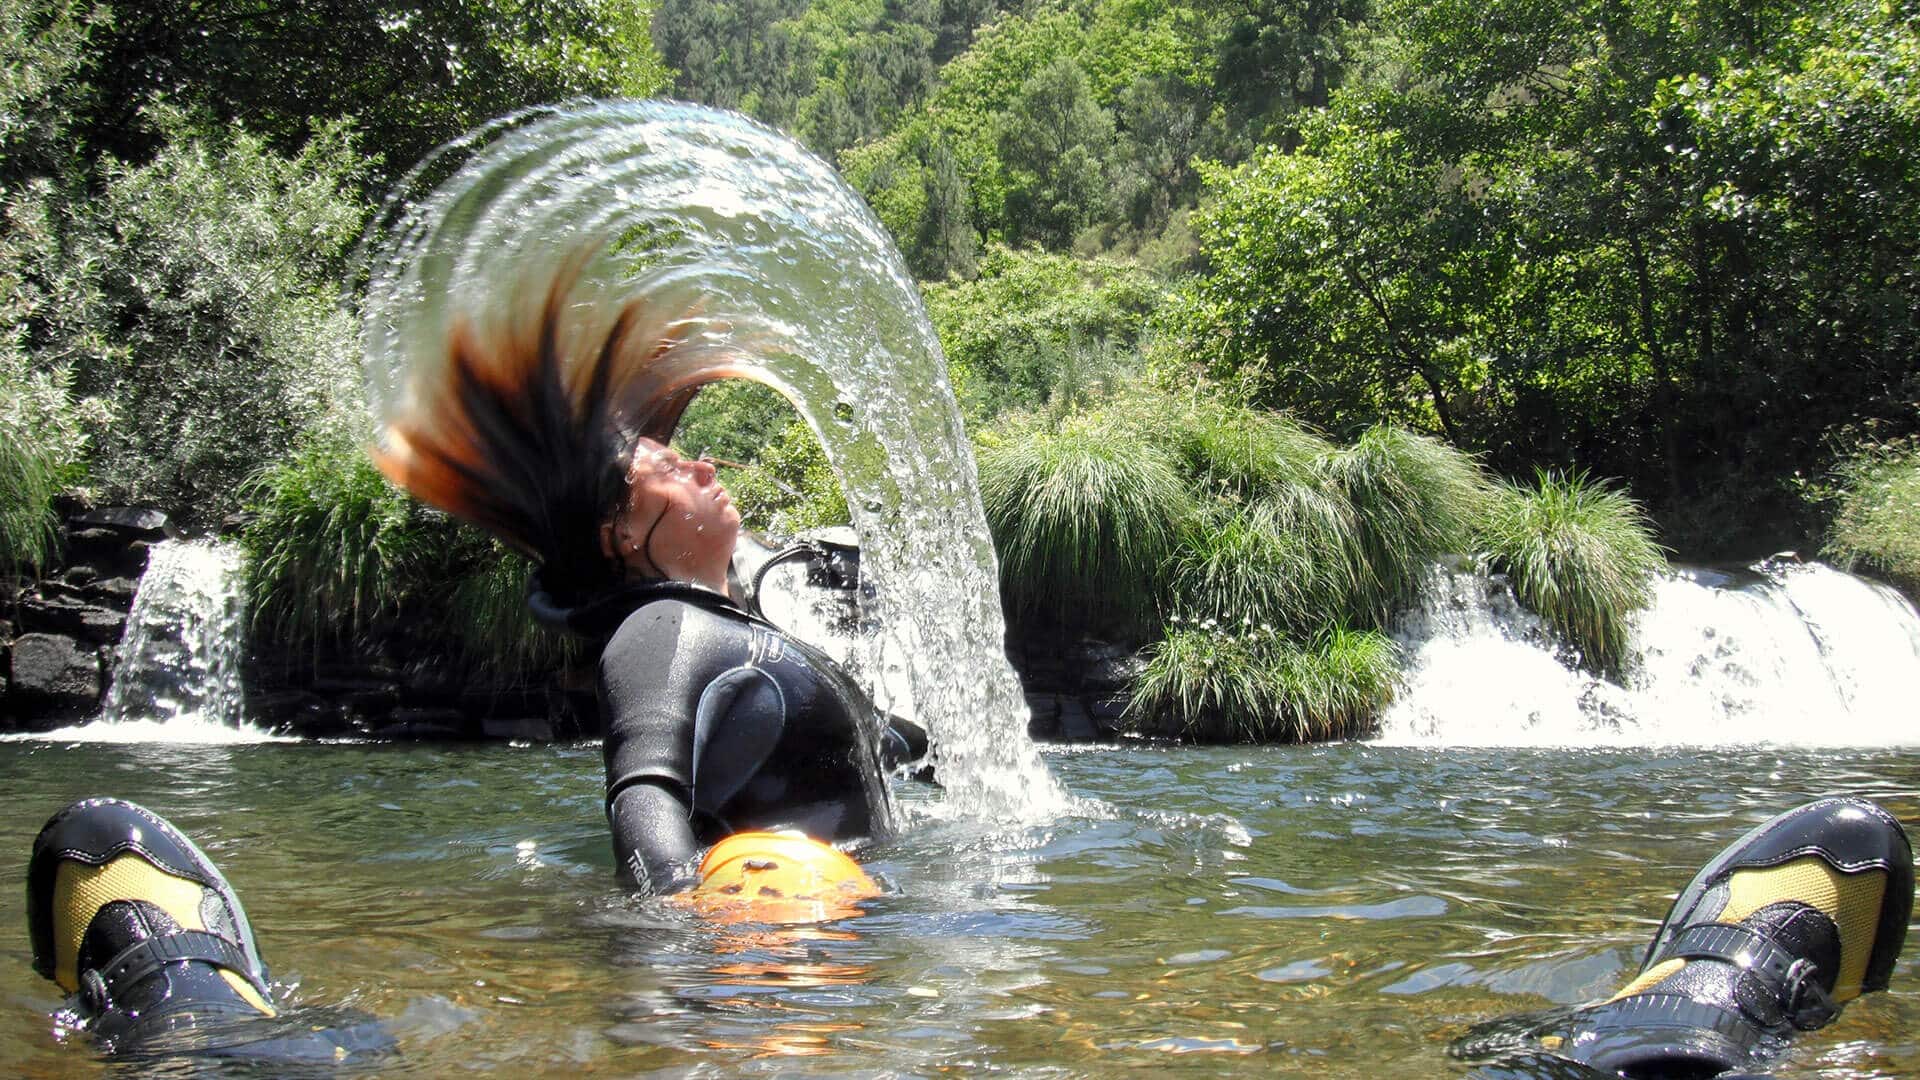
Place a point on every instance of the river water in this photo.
(1341, 910)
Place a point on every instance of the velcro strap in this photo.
(143, 958)
(1646, 1015)
(1775, 985)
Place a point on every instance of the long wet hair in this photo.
(527, 428)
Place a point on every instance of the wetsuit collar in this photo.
(599, 616)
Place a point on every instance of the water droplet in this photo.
(843, 411)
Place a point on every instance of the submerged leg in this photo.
(1770, 938)
(138, 926)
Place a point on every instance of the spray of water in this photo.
(796, 285)
(1785, 653)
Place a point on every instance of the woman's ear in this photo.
(607, 541)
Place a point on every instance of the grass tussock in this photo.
(1085, 519)
(332, 546)
(1413, 499)
(1876, 523)
(1207, 683)
(1255, 565)
(486, 612)
(1581, 555)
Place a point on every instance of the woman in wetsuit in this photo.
(550, 434)
(717, 721)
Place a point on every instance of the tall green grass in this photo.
(1236, 451)
(1876, 524)
(1581, 555)
(1275, 558)
(1208, 683)
(1254, 565)
(1085, 519)
(332, 547)
(40, 446)
(1413, 499)
(486, 612)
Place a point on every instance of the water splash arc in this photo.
(1781, 653)
(796, 285)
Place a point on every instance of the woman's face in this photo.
(677, 521)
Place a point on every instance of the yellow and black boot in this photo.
(135, 923)
(1771, 938)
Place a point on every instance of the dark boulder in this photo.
(56, 674)
(131, 522)
(54, 614)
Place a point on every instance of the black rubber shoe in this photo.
(132, 920)
(1772, 937)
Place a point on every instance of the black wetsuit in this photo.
(717, 722)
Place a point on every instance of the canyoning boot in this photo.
(132, 920)
(1771, 938)
(144, 934)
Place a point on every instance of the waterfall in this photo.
(1783, 653)
(177, 674)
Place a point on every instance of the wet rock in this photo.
(287, 707)
(57, 670)
(1075, 724)
(426, 723)
(1043, 716)
(502, 702)
(131, 522)
(1106, 711)
(80, 576)
(118, 590)
(376, 702)
(333, 682)
(1104, 667)
(62, 615)
(134, 560)
(525, 729)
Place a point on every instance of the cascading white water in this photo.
(1787, 653)
(177, 674)
(790, 280)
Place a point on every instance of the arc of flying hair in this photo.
(521, 435)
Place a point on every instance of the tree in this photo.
(945, 245)
(1055, 141)
(1669, 246)
(411, 77)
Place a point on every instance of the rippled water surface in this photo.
(1341, 910)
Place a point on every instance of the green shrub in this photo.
(195, 293)
(1581, 555)
(1876, 524)
(332, 548)
(40, 444)
(1253, 565)
(1414, 498)
(1038, 331)
(1085, 519)
(1211, 683)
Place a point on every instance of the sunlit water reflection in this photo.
(1345, 909)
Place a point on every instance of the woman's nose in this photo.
(703, 470)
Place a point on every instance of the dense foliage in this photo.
(1876, 527)
(1674, 245)
(1263, 563)
(409, 76)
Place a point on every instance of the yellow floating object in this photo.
(782, 877)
